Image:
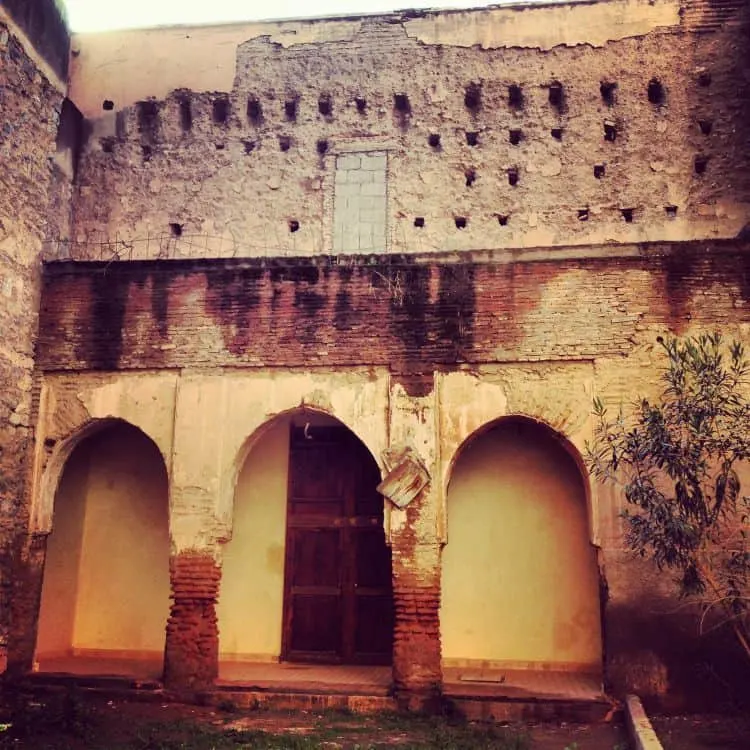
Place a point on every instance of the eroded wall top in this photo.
(515, 127)
(127, 66)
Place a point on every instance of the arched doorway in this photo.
(105, 593)
(520, 584)
(307, 573)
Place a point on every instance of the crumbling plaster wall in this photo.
(253, 175)
(34, 205)
(418, 351)
(212, 435)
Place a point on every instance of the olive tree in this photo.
(677, 458)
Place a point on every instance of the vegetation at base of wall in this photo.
(677, 458)
(74, 720)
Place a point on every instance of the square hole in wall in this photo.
(186, 113)
(473, 97)
(515, 96)
(556, 95)
(220, 111)
(401, 104)
(325, 105)
(254, 110)
(655, 91)
(607, 90)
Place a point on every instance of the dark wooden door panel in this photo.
(372, 560)
(338, 600)
(374, 633)
(317, 626)
(315, 557)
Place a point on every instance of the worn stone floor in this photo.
(369, 680)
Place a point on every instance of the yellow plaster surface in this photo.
(252, 585)
(519, 575)
(111, 519)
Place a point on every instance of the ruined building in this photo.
(252, 272)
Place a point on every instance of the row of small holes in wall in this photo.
(627, 214)
(472, 139)
(462, 222)
(700, 164)
(221, 107)
(176, 229)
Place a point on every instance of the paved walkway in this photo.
(361, 680)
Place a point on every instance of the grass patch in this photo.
(68, 721)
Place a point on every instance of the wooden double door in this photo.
(338, 595)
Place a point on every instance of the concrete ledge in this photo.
(641, 732)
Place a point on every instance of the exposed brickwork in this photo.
(417, 674)
(28, 569)
(191, 658)
(397, 312)
(43, 23)
(30, 106)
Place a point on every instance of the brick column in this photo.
(27, 568)
(191, 658)
(417, 672)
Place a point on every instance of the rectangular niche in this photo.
(359, 203)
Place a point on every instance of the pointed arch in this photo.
(43, 500)
(280, 475)
(105, 591)
(227, 496)
(520, 577)
(563, 440)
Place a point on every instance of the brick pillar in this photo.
(27, 568)
(417, 673)
(191, 658)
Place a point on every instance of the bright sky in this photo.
(98, 15)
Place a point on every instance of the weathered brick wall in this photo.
(30, 104)
(412, 314)
(642, 138)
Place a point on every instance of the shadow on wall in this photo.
(520, 578)
(106, 581)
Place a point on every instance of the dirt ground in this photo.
(703, 732)
(70, 722)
